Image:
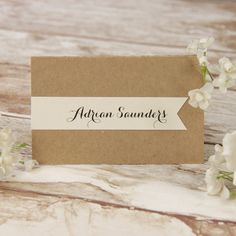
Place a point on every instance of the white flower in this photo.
(227, 76)
(200, 44)
(9, 160)
(228, 67)
(203, 60)
(218, 158)
(200, 97)
(7, 140)
(199, 47)
(223, 167)
(216, 186)
(229, 152)
(6, 166)
(30, 164)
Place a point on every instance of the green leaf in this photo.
(21, 145)
(204, 71)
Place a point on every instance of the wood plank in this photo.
(38, 214)
(223, 103)
(151, 188)
(217, 125)
(220, 116)
(131, 22)
(15, 88)
(20, 46)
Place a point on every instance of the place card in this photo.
(115, 110)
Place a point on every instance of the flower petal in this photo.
(229, 144)
(204, 105)
(225, 193)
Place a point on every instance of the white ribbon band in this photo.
(106, 113)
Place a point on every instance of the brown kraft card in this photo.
(115, 110)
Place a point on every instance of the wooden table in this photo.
(104, 199)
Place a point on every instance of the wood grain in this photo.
(130, 21)
(72, 216)
(104, 200)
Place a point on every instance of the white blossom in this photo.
(218, 158)
(227, 75)
(200, 97)
(215, 185)
(222, 169)
(9, 158)
(7, 141)
(229, 152)
(200, 47)
(30, 164)
(203, 60)
(6, 166)
(228, 67)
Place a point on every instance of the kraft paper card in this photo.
(115, 110)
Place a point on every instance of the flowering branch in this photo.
(10, 158)
(226, 71)
(221, 176)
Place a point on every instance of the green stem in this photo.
(209, 73)
(19, 146)
(233, 193)
(204, 71)
(225, 175)
(226, 172)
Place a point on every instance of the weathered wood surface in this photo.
(103, 200)
(118, 200)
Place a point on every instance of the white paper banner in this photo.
(106, 113)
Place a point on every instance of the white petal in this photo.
(215, 188)
(30, 164)
(203, 60)
(204, 105)
(207, 95)
(214, 185)
(225, 193)
(199, 97)
(229, 144)
(216, 160)
(193, 103)
(223, 61)
(192, 92)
